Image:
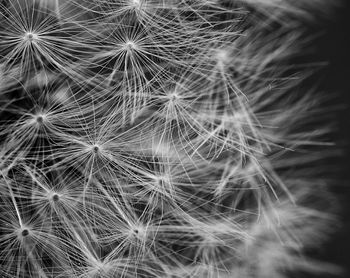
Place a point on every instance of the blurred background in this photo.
(334, 46)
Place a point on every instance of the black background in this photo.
(334, 46)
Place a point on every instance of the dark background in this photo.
(334, 46)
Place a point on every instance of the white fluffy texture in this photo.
(159, 139)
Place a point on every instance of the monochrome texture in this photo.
(162, 139)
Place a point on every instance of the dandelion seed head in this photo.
(162, 179)
(173, 97)
(55, 197)
(30, 37)
(39, 119)
(136, 3)
(130, 46)
(140, 232)
(140, 139)
(95, 148)
(222, 57)
(25, 232)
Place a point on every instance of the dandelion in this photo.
(34, 39)
(161, 139)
